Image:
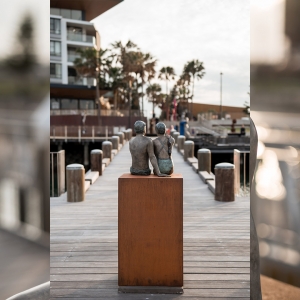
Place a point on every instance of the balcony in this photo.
(78, 37)
(72, 57)
(81, 81)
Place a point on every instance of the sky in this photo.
(216, 32)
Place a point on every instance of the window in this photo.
(76, 15)
(68, 13)
(54, 26)
(86, 104)
(54, 103)
(54, 11)
(55, 70)
(55, 48)
(69, 104)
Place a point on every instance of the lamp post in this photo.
(221, 95)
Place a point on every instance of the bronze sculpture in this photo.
(163, 149)
(141, 149)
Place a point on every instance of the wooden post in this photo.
(204, 160)
(121, 136)
(125, 135)
(237, 165)
(96, 160)
(115, 142)
(150, 234)
(224, 178)
(180, 142)
(75, 183)
(106, 148)
(175, 136)
(188, 149)
(129, 134)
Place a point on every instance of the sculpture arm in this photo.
(153, 160)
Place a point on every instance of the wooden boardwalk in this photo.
(84, 245)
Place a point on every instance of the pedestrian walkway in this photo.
(84, 245)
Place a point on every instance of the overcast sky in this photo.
(217, 32)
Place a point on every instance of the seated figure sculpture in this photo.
(163, 149)
(141, 149)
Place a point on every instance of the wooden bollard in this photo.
(172, 132)
(121, 137)
(96, 160)
(224, 177)
(75, 183)
(129, 133)
(188, 149)
(115, 142)
(180, 142)
(175, 136)
(106, 148)
(204, 160)
(125, 135)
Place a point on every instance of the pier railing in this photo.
(80, 133)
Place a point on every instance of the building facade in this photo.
(70, 30)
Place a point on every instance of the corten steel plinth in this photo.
(106, 148)
(115, 142)
(150, 232)
(180, 142)
(75, 183)
(188, 149)
(121, 137)
(224, 178)
(96, 160)
(204, 160)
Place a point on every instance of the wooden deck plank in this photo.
(84, 241)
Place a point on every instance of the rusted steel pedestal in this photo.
(150, 229)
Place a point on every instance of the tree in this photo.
(92, 63)
(194, 68)
(153, 93)
(167, 73)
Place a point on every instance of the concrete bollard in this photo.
(121, 137)
(188, 149)
(96, 160)
(204, 160)
(75, 183)
(115, 142)
(224, 178)
(106, 148)
(180, 142)
(175, 136)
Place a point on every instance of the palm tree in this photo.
(167, 73)
(89, 64)
(153, 93)
(115, 81)
(194, 68)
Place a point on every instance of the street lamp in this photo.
(221, 95)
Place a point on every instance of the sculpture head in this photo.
(160, 128)
(140, 127)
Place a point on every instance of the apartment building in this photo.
(70, 29)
